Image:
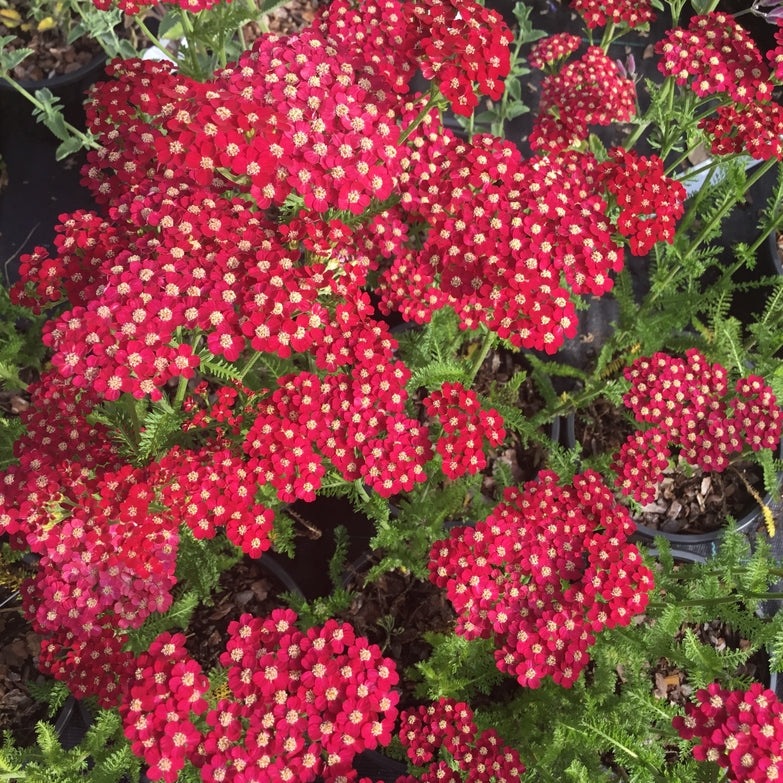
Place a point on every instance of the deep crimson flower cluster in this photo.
(465, 425)
(715, 54)
(775, 56)
(449, 725)
(549, 568)
(355, 421)
(587, 91)
(598, 13)
(753, 128)
(549, 50)
(462, 43)
(299, 705)
(164, 693)
(742, 731)
(688, 403)
(650, 203)
(502, 232)
(214, 489)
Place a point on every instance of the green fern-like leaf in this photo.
(160, 423)
(177, 617)
(457, 668)
(218, 368)
(435, 375)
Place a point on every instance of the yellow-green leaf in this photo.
(46, 24)
(10, 17)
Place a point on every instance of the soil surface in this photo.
(700, 502)
(19, 647)
(689, 501)
(52, 54)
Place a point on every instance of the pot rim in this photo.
(56, 81)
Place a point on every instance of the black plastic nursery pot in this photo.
(69, 88)
(775, 248)
(698, 545)
(39, 188)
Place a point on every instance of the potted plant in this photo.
(216, 355)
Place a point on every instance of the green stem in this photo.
(612, 741)
(153, 39)
(483, 352)
(359, 486)
(182, 390)
(250, 364)
(86, 139)
(499, 127)
(190, 39)
(606, 39)
(728, 202)
(432, 101)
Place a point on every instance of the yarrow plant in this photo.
(443, 741)
(692, 410)
(545, 572)
(296, 705)
(220, 342)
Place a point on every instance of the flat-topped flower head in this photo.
(742, 731)
(692, 411)
(597, 13)
(549, 568)
(715, 55)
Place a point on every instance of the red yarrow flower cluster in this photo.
(549, 50)
(448, 725)
(549, 568)
(714, 55)
(650, 203)
(131, 7)
(465, 427)
(688, 403)
(741, 731)
(355, 421)
(299, 705)
(461, 44)
(775, 56)
(598, 13)
(588, 91)
(754, 128)
(502, 231)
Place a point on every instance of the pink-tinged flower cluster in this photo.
(741, 731)
(587, 91)
(549, 568)
(106, 557)
(598, 13)
(650, 203)
(714, 55)
(107, 534)
(299, 705)
(465, 426)
(553, 48)
(447, 725)
(461, 43)
(691, 410)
